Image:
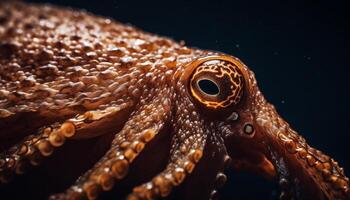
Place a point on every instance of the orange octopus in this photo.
(142, 115)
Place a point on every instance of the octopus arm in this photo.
(303, 171)
(188, 144)
(42, 144)
(19, 123)
(144, 123)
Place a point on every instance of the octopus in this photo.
(141, 116)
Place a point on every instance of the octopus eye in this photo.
(208, 87)
(216, 82)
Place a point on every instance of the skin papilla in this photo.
(67, 77)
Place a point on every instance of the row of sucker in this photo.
(220, 179)
(186, 151)
(321, 167)
(143, 125)
(284, 178)
(223, 163)
(161, 185)
(35, 147)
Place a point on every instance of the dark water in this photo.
(298, 50)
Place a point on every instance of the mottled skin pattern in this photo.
(68, 75)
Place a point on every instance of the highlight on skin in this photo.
(141, 99)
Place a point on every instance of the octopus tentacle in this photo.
(187, 149)
(213, 165)
(33, 148)
(284, 178)
(16, 126)
(36, 146)
(140, 129)
(304, 163)
(173, 175)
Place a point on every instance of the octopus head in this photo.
(220, 108)
(224, 93)
(221, 104)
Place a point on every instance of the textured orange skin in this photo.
(74, 76)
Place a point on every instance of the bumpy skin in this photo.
(69, 75)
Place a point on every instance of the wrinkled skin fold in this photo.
(126, 112)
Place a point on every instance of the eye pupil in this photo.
(208, 87)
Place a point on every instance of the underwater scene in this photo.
(176, 100)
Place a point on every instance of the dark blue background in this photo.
(298, 50)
